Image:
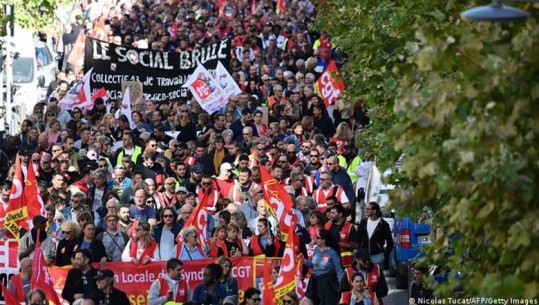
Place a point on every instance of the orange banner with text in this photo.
(135, 281)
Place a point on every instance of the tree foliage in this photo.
(461, 101)
(36, 15)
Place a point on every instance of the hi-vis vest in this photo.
(372, 280)
(137, 152)
(320, 196)
(346, 256)
(181, 291)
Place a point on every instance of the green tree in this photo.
(460, 101)
(33, 14)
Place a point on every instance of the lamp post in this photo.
(497, 12)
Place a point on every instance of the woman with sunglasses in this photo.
(291, 298)
(359, 295)
(327, 270)
(165, 232)
(76, 114)
(251, 297)
(141, 249)
(65, 249)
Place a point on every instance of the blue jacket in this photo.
(200, 294)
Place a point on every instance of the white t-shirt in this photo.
(166, 245)
(371, 226)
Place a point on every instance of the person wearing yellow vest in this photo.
(345, 232)
(129, 148)
(170, 289)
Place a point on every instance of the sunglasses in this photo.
(35, 161)
(256, 300)
(288, 301)
(206, 183)
(168, 216)
(66, 232)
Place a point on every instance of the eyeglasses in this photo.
(76, 112)
(300, 180)
(184, 111)
(66, 232)
(102, 165)
(206, 183)
(46, 162)
(314, 156)
(168, 216)
(288, 301)
(256, 300)
(330, 164)
(51, 114)
(291, 152)
(35, 161)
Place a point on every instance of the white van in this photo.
(25, 82)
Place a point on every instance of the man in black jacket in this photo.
(374, 233)
(106, 293)
(80, 281)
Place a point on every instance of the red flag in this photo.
(199, 220)
(253, 7)
(84, 96)
(278, 201)
(102, 93)
(9, 298)
(17, 211)
(267, 291)
(76, 55)
(286, 281)
(31, 195)
(221, 6)
(41, 278)
(281, 7)
(328, 85)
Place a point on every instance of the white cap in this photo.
(92, 155)
(225, 167)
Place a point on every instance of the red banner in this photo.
(136, 280)
(328, 85)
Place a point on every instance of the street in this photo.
(395, 296)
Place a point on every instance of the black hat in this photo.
(197, 168)
(7, 185)
(104, 273)
(38, 220)
(362, 254)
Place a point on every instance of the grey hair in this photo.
(188, 231)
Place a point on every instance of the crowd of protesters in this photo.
(116, 193)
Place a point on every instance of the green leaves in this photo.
(460, 101)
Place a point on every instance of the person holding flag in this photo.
(28, 242)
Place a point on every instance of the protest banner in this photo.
(136, 89)
(225, 80)
(163, 74)
(206, 90)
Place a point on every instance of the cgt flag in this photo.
(17, 210)
(278, 201)
(199, 220)
(32, 199)
(286, 280)
(41, 278)
(268, 289)
(328, 85)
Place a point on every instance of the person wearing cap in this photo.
(181, 194)
(196, 177)
(375, 281)
(224, 181)
(27, 243)
(113, 239)
(106, 293)
(170, 287)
